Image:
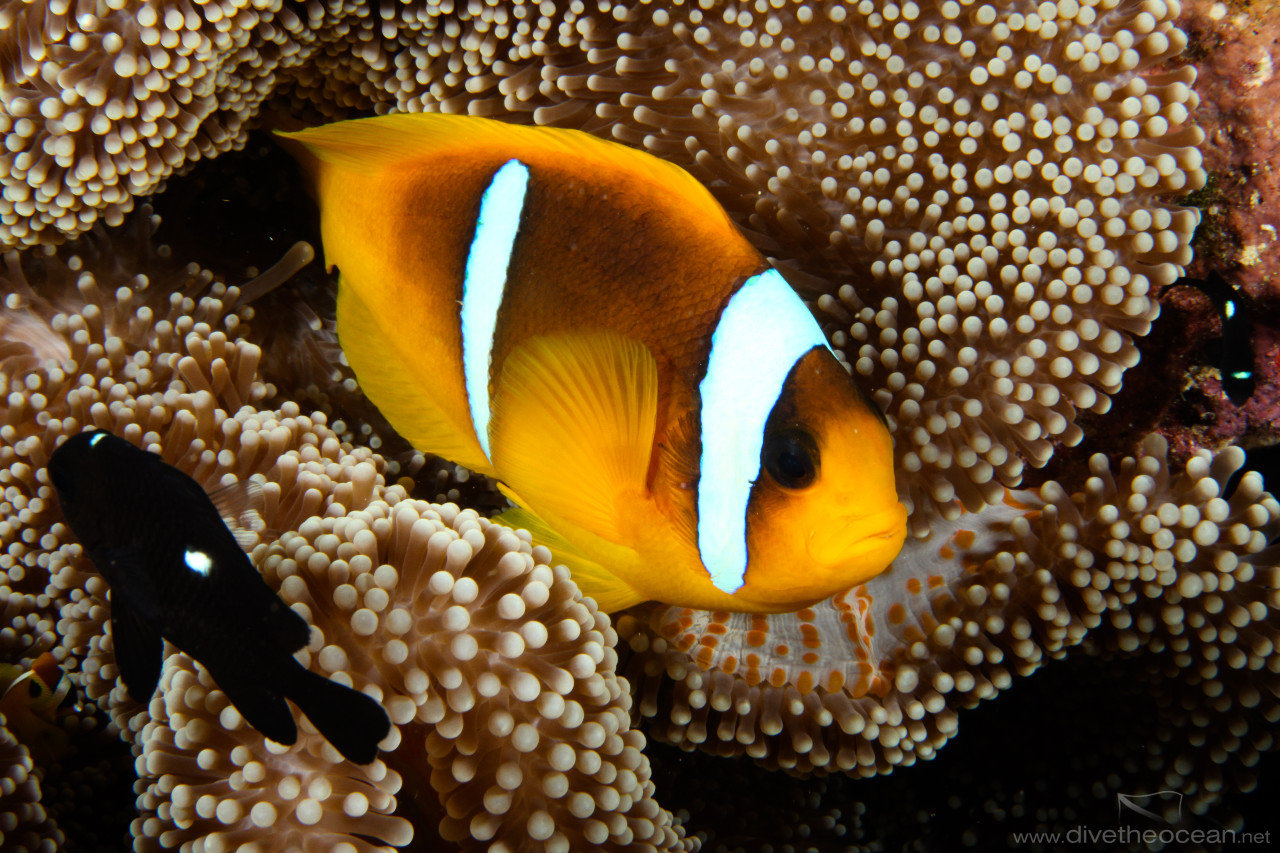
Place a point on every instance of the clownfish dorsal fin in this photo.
(407, 403)
(368, 146)
(573, 423)
(611, 594)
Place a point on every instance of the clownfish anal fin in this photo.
(609, 591)
(573, 423)
(403, 398)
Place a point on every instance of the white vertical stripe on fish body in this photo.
(763, 331)
(484, 285)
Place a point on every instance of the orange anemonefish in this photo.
(32, 700)
(583, 322)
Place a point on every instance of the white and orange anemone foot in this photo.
(1141, 559)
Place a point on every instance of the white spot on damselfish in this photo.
(486, 281)
(763, 331)
(197, 561)
(97, 438)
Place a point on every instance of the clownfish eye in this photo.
(791, 457)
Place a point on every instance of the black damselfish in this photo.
(177, 573)
(1232, 352)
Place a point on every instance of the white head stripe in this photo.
(763, 331)
(197, 561)
(485, 281)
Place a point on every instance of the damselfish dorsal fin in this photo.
(610, 592)
(573, 423)
(404, 398)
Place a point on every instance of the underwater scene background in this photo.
(985, 204)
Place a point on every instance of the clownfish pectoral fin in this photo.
(404, 399)
(610, 592)
(572, 430)
(677, 475)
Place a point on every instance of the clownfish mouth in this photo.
(872, 540)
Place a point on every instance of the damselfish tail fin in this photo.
(350, 720)
(262, 708)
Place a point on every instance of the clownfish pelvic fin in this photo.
(610, 592)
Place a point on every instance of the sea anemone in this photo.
(24, 825)
(492, 667)
(1140, 559)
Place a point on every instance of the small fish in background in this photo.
(1232, 353)
(32, 701)
(583, 322)
(177, 573)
